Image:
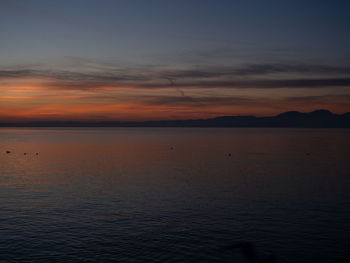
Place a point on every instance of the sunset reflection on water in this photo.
(142, 193)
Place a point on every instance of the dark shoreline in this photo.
(291, 119)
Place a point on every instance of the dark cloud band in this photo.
(248, 76)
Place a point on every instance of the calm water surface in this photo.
(124, 195)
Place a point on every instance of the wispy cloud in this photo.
(246, 76)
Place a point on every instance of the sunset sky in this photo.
(151, 60)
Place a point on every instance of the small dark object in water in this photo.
(250, 254)
(37, 154)
(8, 152)
(308, 153)
(171, 148)
(229, 154)
(24, 153)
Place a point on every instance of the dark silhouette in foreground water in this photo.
(250, 254)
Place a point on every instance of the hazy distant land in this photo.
(315, 119)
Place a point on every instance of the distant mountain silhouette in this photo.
(315, 119)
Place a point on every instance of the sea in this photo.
(174, 195)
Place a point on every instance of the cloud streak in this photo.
(246, 76)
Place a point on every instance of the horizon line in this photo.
(316, 118)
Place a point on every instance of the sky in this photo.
(102, 60)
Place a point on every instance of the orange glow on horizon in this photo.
(37, 100)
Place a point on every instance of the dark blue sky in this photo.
(184, 41)
(145, 32)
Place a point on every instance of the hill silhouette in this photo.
(316, 119)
